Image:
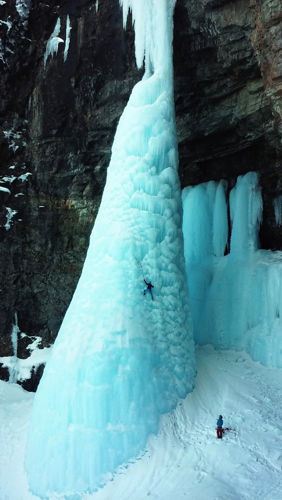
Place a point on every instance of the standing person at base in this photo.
(219, 425)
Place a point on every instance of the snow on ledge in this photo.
(5, 190)
(24, 367)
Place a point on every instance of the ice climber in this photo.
(149, 288)
(219, 429)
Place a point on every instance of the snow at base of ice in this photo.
(122, 359)
(185, 461)
(236, 299)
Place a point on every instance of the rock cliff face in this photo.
(228, 70)
(59, 114)
(59, 119)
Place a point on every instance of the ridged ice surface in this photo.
(236, 299)
(121, 359)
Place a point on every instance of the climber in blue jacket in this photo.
(219, 425)
(149, 288)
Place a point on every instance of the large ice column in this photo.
(236, 299)
(205, 228)
(246, 211)
(122, 359)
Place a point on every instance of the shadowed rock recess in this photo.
(58, 121)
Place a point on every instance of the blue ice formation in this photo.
(236, 299)
(13, 369)
(122, 359)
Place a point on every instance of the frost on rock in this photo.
(14, 139)
(53, 42)
(236, 299)
(122, 359)
(8, 178)
(9, 216)
(23, 8)
(2, 52)
(24, 177)
(7, 23)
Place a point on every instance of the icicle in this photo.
(13, 371)
(53, 42)
(67, 44)
(152, 38)
(220, 221)
(246, 212)
(277, 205)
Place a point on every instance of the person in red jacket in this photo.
(219, 425)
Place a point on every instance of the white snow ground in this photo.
(185, 460)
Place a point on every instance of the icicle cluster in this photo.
(236, 299)
(153, 38)
(52, 45)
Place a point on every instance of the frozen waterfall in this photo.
(236, 299)
(122, 359)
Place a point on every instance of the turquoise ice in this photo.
(121, 359)
(236, 299)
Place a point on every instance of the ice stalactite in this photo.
(246, 211)
(53, 42)
(277, 205)
(67, 43)
(13, 370)
(122, 359)
(236, 299)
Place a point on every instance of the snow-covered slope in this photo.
(185, 461)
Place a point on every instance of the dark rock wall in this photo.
(228, 91)
(63, 118)
(58, 122)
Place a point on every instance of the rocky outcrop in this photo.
(59, 118)
(59, 114)
(228, 85)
